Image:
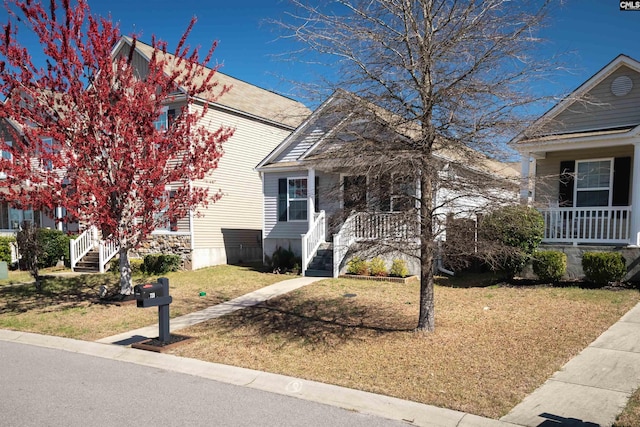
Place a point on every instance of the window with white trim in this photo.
(166, 224)
(6, 154)
(163, 120)
(594, 181)
(297, 199)
(292, 199)
(403, 192)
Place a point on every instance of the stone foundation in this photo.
(178, 244)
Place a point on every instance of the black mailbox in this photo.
(156, 295)
(152, 294)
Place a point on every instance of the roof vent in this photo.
(621, 85)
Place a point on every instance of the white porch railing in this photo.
(362, 226)
(89, 240)
(81, 245)
(312, 240)
(598, 225)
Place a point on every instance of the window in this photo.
(166, 224)
(403, 193)
(594, 179)
(18, 216)
(163, 120)
(47, 147)
(6, 154)
(292, 199)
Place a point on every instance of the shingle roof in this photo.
(248, 98)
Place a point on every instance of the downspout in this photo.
(439, 265)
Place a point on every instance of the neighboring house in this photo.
(323, 207)
(229, 230)
(581, 162)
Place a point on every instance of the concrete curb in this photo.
(354, 400)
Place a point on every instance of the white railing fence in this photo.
(312, 239)
(88, 240)
(107, 250)
(587, 225)
(81, 245)
(363, 226)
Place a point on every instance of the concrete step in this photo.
(318, 273)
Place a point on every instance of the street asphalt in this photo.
(53, 381)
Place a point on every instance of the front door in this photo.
(355, 194)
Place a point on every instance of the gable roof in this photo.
(243, 98)
(589, 102)
(321, 137)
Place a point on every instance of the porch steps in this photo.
(90, 263)
(322, 263)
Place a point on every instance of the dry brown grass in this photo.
(69, 306)
(630, 417)
(492, 345)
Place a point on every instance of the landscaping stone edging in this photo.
(403, 280)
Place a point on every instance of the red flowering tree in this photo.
(90, 118)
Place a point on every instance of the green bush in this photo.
(399, 268)
(509, 236)
(54, 245)
(161, 263)
(377, 267)
(550, 266)
(603, 267)
(357, 265)
(134, 263)
(5, 249)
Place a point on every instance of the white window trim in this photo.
(306, 199)
(163, 119)
(610, 188)
(394, 195)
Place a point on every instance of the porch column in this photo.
(525, 184)
(634, 229)
(59, 218)
(311, 195)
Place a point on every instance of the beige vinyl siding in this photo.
(548, 169)
(602, 110)
(238, 214)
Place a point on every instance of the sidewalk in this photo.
(247, 300)
(593, 387)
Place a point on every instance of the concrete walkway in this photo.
(593, 387)
(247, 300)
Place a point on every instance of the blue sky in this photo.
(595, 31)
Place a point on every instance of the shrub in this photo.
(603, 267)
(377, 267)
(161, 263)
(509, 236)
(283, 260)
(399, 268)
(357, 265)
(135, 263)
(54, 246)
(5, 249)
(550, 266)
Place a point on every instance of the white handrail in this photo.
(108, 249)
(341, 242)
(312, 239)
(89, 240)
(81, 245)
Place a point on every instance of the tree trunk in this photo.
(126, 281)
(426, 318)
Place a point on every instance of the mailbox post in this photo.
(156, 295)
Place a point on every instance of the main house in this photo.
(581, 162)
(343, 179)
(229, 230)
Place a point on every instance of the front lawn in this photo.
(69, 306)
(492, 345)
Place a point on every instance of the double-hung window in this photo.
(292, 199)
(594, 179)
(163, 120)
